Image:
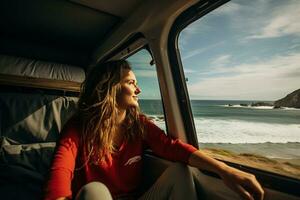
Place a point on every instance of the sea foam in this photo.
(238, 131)
(258, 107)
(249, 107)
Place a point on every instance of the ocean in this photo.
(274, 133)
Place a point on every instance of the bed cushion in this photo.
(34, 118)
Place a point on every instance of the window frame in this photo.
(147, 48)
(267, 179)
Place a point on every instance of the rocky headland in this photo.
(261, 104)
(291, 100)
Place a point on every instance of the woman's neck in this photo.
(121, 116)
(119, 134)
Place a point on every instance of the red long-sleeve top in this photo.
(120, 171)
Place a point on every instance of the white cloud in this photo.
(268, 80)
(283, 21)
(195, 52)
(189, 71)
(221, 60)
(195, 28)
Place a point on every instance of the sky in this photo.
(243, 50)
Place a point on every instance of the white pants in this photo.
(175, 183)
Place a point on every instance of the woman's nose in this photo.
(137, 90)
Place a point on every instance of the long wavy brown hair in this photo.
(98, 110)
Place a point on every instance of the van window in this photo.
(150, 98)
(239, 61)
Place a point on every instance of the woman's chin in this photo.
(135, 105)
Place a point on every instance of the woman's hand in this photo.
(243, 183)
(62, 198)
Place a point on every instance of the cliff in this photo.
(291, 100)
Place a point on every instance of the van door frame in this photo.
(267, 179)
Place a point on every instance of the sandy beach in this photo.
(287, 167)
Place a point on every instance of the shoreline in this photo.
(279, 151)
(286, 167)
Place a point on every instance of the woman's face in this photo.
(128, 96)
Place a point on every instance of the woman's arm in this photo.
(243, 183)
(62, 168)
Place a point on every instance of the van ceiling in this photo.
(59, 30)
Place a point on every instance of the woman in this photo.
(100, 151)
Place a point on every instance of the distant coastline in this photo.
(292, 100)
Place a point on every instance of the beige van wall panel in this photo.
(119, 8)
(144, 19)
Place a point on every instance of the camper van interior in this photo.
(47, 48)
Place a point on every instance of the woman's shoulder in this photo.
(144, 119)
(148, 122)
(73, 121)
(72, 126)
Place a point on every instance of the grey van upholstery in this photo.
(40, 69)
(30, 124)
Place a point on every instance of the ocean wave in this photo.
(280, 141)
(156, 118)
(159, 120)
(260, 143)
(259, 107)
(237, 131)
(211, 130)
(287, 108)
(249, 106)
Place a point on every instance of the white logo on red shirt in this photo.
(133, 160)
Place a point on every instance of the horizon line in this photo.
(217, 99)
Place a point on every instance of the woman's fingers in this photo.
(244, 184)
(243, 193)
(255, 188)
